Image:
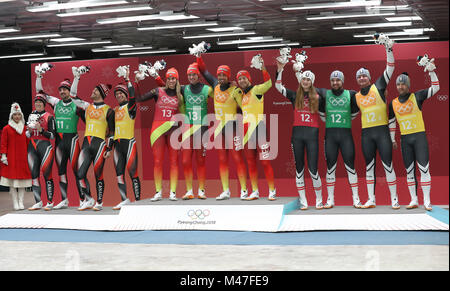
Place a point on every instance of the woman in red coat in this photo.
(15, 172)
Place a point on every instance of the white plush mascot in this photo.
(300, 58)
(257, 62)
(383, 39)
(78, 71)
(42, 69)
(425, 62)
(122, 71)
(285, 55)
(33, 120)
(197, 50)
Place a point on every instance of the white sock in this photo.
(300, 182)
(425, 183)
(317, 184)
(353, 181)
(331, 182)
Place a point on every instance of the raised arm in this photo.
(383, 81)
(206, 74)
(423, 95)
(289, 94)
(50, 99)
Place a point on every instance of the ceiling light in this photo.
(179, 25)
(340, 16)
(32, 36)
(330, 5)
(207, 35)
(392, 7)
(79, 43)
(46, 58)
(415, 30)
(66, 39)
(404, 18)
(373, 25)
(393, 33)
(256, 40)
(403, 38)
(111, 49)
(269, 45)
(223, 29)
(4, 29)
(163, 15)
(105, 10)
(147, 52)
(54, 5)
(22, 55)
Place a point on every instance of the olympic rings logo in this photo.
(245, 99)
(95, 114)
(168, 100)
(144, 108)
(220, 97)
(337, 101)
(65, 110)
(120, 114)
(404, 108)
(195, 99)
(368, 100)
(442, 97)
(198, 214)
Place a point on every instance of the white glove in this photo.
(42, 69)
(122, 71)
(285, 55)
(257, 62)
(426, 63)
(4, 159)
(383, 39)
(197, 50)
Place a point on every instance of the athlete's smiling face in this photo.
(193, 78)
(120, 96)
(336, 84)
(96, 96)
(171, 82)
(222, 78)
(64, 93)
(243, 82)
(39, 105)
(306, 84)
(402, 88)
(363, 81)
